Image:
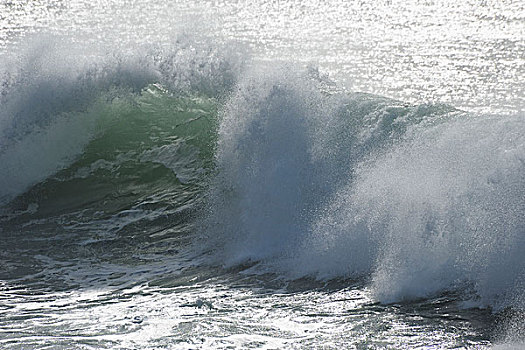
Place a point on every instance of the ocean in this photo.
(280, 174)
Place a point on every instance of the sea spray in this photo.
(424, 199)
(287, 142)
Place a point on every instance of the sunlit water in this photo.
(116, 249)
(469, 53)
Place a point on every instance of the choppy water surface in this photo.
(262, 174)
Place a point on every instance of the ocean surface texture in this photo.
(270, 174)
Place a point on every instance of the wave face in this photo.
(82, 111)
(286, 170)
(421, 199)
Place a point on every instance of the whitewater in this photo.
(262, 174)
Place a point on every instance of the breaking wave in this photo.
(292, 173)
(417, 199)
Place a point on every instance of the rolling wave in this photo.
(295, 175)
